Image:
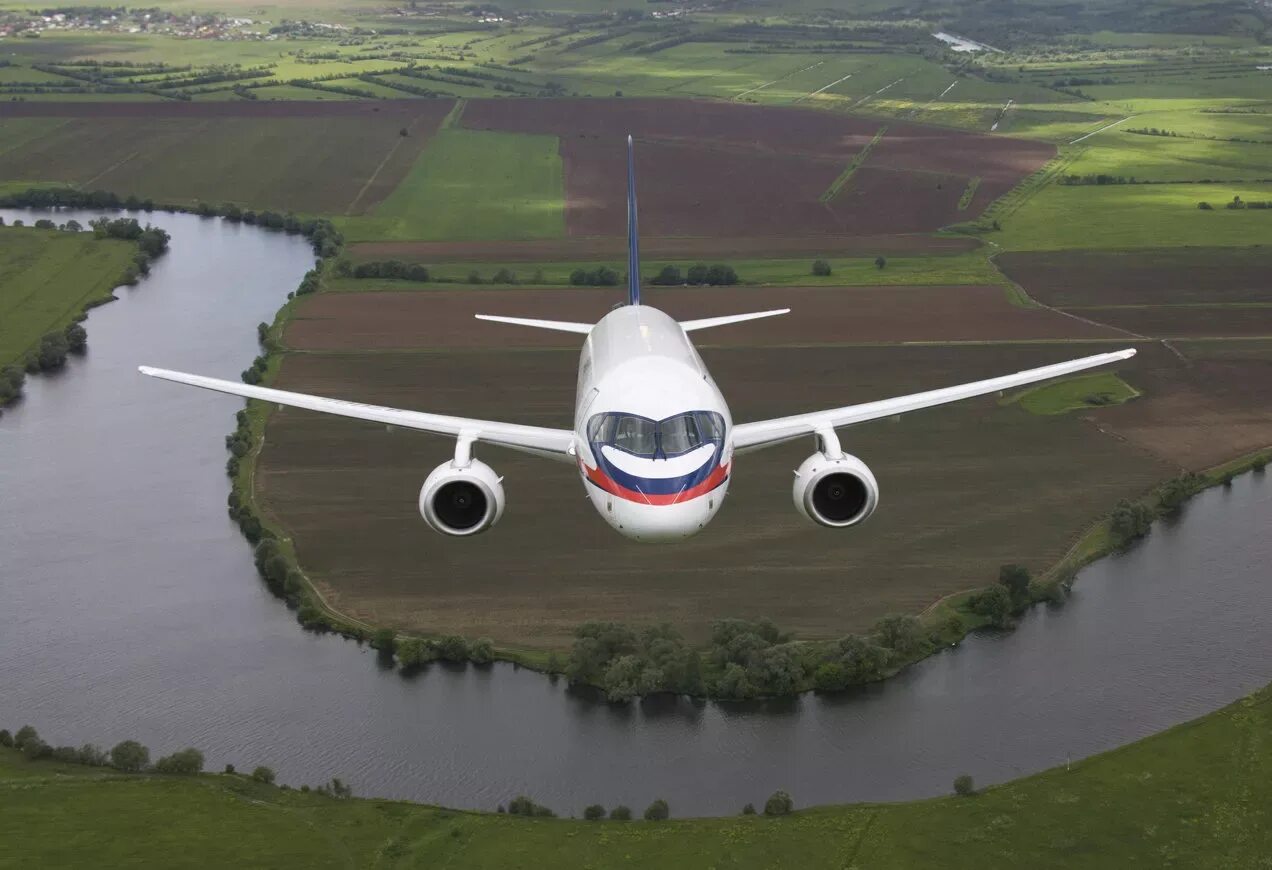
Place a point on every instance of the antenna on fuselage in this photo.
(633, 235)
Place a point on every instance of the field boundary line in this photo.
(853, 165)
(821, 89)
(875, 94)
(1102, 129)
(387, 157)
(110, 169)
(776, 80)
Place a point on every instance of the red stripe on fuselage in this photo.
(718, 476)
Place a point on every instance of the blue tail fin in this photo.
(633, 235)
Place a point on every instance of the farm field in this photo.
(1136, 216)
(1182, 792)
(46, 277)
(255, 154)
(829, 315)
(955, 475)
(473, 186)
(719, 169)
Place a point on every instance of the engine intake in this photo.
(462, 500)
(835, 492)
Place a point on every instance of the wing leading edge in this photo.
(553, 443)
(753, 436)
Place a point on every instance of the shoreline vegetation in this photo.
(1179, 793)
(746, 659)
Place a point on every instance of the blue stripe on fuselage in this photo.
(656, 485)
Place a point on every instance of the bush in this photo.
(187, 762)
(748, 810)
(821, 268)
(880, 262)
(1205, 206)
(36, 748)
(264, 774)
(964, 786)
(524, 806)
(504, 276)
(76, 337)
(129, 756)
(1015, 579)
(6, 739)
(92, 755)
(621, 813)
(658, 811)
(594, 813)
(779, 804)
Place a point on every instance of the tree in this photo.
(524, 806)
(74, 226)
(414, 651)
(578, 277)
(482, 651)
(880, 262)
(779, 804)
(36, 748)
(385, 640)
(453, 648)
(1015, 579)
(658, 811)
(821, 268)
(994, 604)
(697, 275)
(504, 276)
(594, 813)
(52, 351)
(129, 756)
(6, 739)
(25, 734)
(621, 813)
(264, 774)
(187, 762)
(1130, 520)
(669, 276)
(901, 633)
(92, 755)
(964, 786)
(748, 810)
(720, 275)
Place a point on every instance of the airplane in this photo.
(653, 439)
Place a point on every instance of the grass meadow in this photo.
(473, 185)
(47, 277)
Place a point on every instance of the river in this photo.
(129, 608)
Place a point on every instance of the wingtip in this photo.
(146, 370)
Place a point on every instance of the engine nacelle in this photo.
(835, 492)
(462, 500)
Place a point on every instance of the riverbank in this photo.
(1194, 796)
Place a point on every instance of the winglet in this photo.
(633, 236)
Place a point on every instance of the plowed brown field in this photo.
(819, 315)
(719, 169)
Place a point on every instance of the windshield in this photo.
(652, 439)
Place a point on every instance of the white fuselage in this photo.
(652, 429)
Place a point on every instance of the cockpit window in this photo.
(656, 439)
(679, 434)
(636, 435)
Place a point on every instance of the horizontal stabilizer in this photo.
(708, 322)
(558, 325)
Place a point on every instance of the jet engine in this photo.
(835, 492)
(462, 499)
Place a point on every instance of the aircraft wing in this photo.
(752, 436)
(554, 443)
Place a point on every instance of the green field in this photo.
(1136, 216)
(47, 277)
(473, 185)
(1194, 797)
(1074, 394)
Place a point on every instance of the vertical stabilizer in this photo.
(633, 234)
